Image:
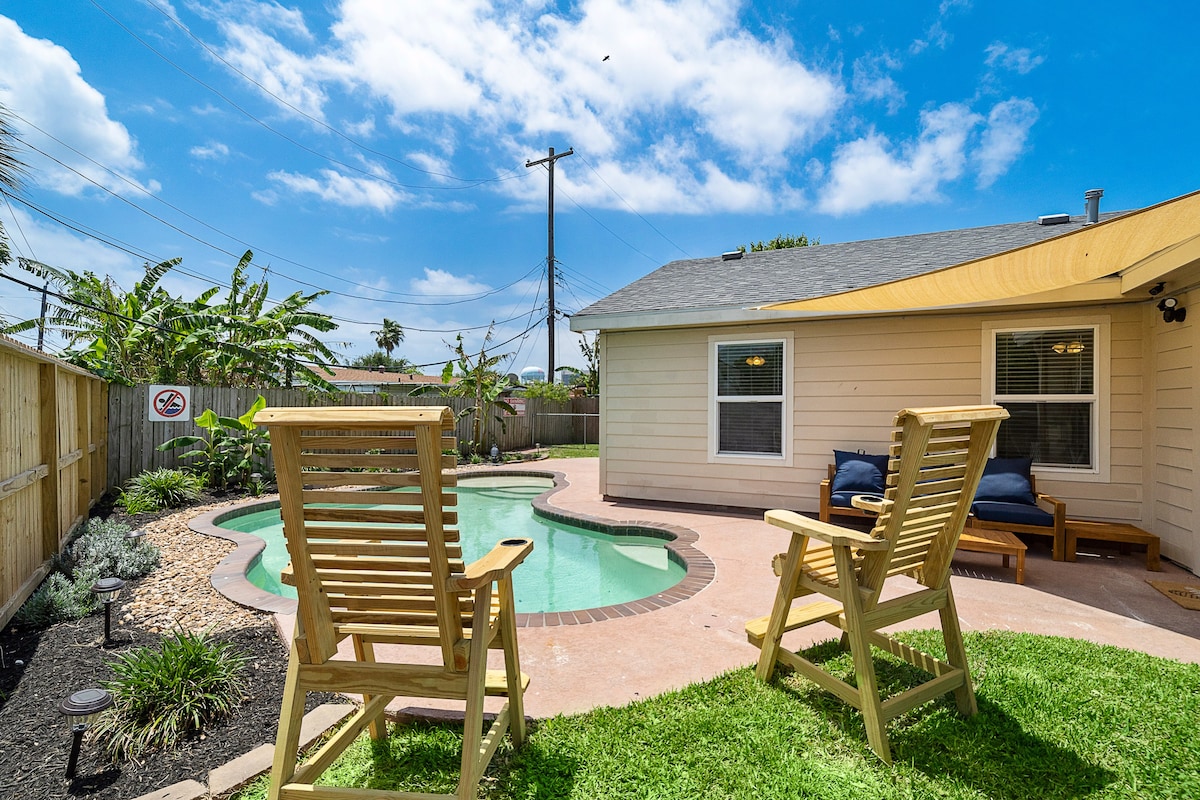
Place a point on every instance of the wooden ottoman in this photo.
(1121, 532)
(985, 540)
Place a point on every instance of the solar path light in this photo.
(107, 589)
(80, 709)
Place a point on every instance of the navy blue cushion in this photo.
(1006, 480)
(1012, 513)
(842, 499)
(858, 473)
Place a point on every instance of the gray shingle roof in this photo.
(804, 272)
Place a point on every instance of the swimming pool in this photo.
(571, 567)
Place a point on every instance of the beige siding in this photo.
(1174, 436)
(849, 379)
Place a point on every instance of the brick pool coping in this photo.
(229, 577)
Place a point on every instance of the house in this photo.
(730, 380)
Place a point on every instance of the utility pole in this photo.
(42, 318)
(549, 162)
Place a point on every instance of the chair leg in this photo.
(468, 779)
(365, 652)
(956, 655)
(512, 663)
(864, 666)
(788, 577)
(287, 739)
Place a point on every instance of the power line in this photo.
(127, 201)
(614, 234)
(631, 208)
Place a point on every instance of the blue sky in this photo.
(377, 148)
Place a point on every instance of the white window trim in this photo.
(786, 433)
(1102, 388)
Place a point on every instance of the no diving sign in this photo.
(170, 404)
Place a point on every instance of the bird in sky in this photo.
(605, 58)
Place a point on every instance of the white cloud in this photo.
(41, 82)
(873, 80)
(519, 72)
(1020, 59)
(334, 187)
(1004, 137)
(440, 283)
(215, 151)
(871, 171)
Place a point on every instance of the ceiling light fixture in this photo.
(756, 361)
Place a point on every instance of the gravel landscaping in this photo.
(38, 668)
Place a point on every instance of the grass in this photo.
(1058, 718)
(573, 451)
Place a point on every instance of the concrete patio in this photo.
(1103, 597)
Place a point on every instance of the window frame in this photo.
(786, 400)
(1099, 397)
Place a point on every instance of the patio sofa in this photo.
(1008, 500)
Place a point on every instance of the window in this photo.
(1047, 379)
(749, 406)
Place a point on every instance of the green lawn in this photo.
(573, 451)
(1058, 718)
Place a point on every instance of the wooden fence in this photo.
(53, 455)
(133, 439)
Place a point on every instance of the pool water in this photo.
(569, 569)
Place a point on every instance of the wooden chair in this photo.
(385, 567)
(937, 457)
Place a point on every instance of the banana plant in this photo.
(232, 449)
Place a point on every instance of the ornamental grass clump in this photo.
(160, 488)
(163, 695)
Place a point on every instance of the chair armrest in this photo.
(1052, 505)
(868, 502)
(830, 534)
(501, 561)
(825, 495)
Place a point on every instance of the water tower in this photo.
(532, 373)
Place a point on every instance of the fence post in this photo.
(48, 438)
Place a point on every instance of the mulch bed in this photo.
(38, 668)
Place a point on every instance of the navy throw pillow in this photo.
(1006, 480)
(858, 472)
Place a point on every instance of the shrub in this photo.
(164, 694)
(60, 598)
(138, 503)
(548, 391)
(105, 551)
(161, 488)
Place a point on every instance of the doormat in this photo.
(1186, 595)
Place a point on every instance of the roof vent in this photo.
(1054, 219)
(732, 255)
(1092, 203)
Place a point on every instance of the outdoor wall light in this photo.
(1172, 311)
(1073, 348)
(756, 361)
(80, 709)
(107, 589)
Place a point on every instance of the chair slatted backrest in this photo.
(374, 559)
(936, 459)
